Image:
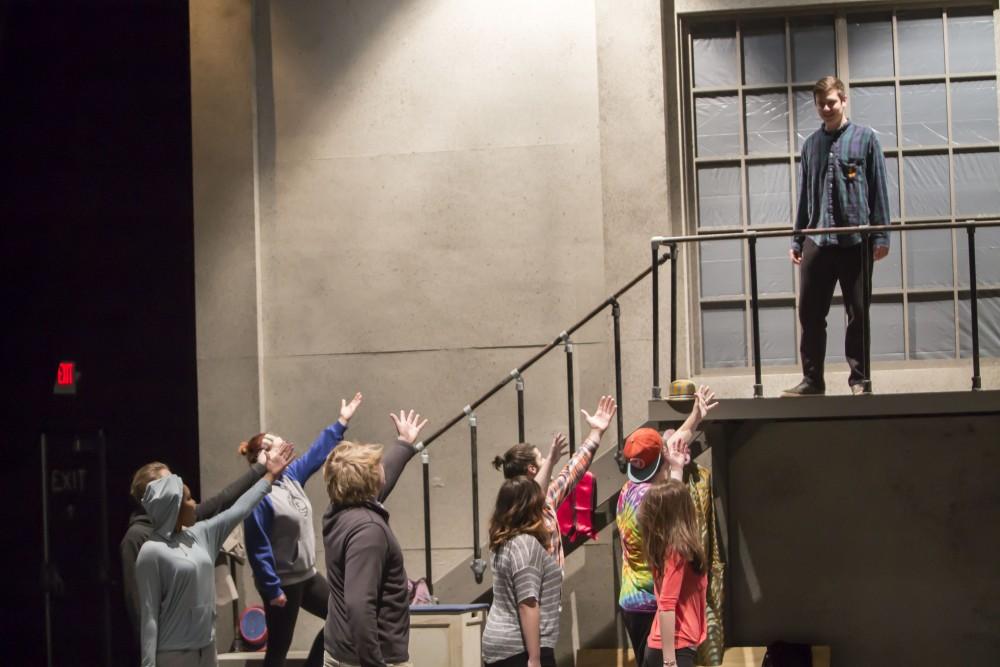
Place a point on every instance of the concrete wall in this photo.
(407, 199)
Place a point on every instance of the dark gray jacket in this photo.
(368, 615)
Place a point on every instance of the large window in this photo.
(927, 83)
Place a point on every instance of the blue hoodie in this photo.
(175, 571)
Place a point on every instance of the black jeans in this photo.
(821, 269)
(654, 657)
(638, 625)
(548, 657)
(312, 595)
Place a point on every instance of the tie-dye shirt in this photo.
(637, 580)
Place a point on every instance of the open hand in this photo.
(677, 451)
(703, 400)
(558, 447)
(601, 419)
(408, 425)
(347, 409)
(278, 458)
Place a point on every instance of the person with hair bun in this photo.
(281, 541)
(141, 525)
(525, 460)
(522, 628)
(673, 549)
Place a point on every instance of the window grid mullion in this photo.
(951, 182)
(903, 241)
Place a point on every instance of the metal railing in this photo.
(751, 237)
(468, 413)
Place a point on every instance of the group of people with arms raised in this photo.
(170, 548)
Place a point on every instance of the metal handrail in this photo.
(478, 565)
(751, 237)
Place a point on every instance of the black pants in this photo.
(654, 657)
(311, 595)
(821, 269)
(548, 657)
(638, 625)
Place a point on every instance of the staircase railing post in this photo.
(478, 565)
(616, 315)
(977, 381)
(867, 265)
(570, 400)
(425, 467)
(758, 386)
(519, 387)
(673, 312)
(655, 248)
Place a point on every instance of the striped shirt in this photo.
(559, 488)
(521, 570)
(842, 183)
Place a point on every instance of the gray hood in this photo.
(162, 502)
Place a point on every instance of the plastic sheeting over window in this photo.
(724, 339)
(925, 114)
(927, 191)
(764, 56)
(921, 45)
(888, 271)
(989, 326)
(770, 199)
(806, 120)
(875, 106)
(932, 329)
(813, 51)
(892, 175)
(774, 270)
(977, 183)
(887, 320)
(777, 334)
(721, 268)
(717, 125)
(715, 63)
(928, 258)
(767, 123)
(971, 44)
(987, 257)
(869, 47)
(974, 112)
(719, 200)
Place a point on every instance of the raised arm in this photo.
(212, 532)
(225, 498)
(584, 456)
(556, 451)
(147, 577)
(677, 448)
(397, 455)
(307, 464)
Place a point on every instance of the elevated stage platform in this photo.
(871, 406)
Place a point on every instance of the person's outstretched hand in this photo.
(278, 458)
(704, 398)
(558, 447)
(601, 419)
(347, 409)
(408, 425)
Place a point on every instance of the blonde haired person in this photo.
(673, 549)
(368, 619)
(281, 541)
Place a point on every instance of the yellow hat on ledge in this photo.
(682, 390)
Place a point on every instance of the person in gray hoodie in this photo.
(175, 569)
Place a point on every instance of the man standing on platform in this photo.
(842, 183)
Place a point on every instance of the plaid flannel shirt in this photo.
(559, 488)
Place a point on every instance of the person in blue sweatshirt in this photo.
(281, 542)
(175, 569)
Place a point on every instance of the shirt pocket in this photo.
(852, 176)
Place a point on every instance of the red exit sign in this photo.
(66, 377)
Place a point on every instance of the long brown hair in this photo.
(520, 502)
(515, 461)
(668, 524)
